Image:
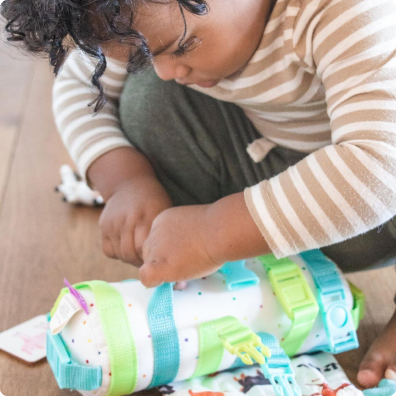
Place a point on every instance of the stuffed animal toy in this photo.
(76, 191)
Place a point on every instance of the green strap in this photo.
(227, 333)
(358, 304)
(210, 347)
(118, 335)
(295, 296)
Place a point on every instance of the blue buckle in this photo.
(237, 276)
(337, 318)
(278, 368)
(338, 322)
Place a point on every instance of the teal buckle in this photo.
(278, 368)
(336, 316)
(69, 374)
(237, 276)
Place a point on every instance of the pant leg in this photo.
(374, 249)
(197, 145)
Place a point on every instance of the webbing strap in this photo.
(119, 338)
(164, 335)
(118, 335)
(210, 346)
(336, 316)
(69, 374)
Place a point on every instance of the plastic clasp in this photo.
(240, 340)
(292, 290)
(338, 322)
(237, 276)
(278, 370)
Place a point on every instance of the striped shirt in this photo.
(322, 81)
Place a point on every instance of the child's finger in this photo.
(150, 276)
(128, 250)
(107, 248)
(390, 372)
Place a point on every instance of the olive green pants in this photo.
(197, 146)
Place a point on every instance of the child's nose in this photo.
(170, 70)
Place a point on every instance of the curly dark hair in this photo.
(54, 26)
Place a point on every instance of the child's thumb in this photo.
(149, 275)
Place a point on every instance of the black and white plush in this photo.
(76, 191)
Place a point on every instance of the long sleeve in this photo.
(85, 135)
(347, 187)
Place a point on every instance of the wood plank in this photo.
(15, 81)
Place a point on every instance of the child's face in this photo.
(226, 38)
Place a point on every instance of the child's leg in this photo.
(197, 146)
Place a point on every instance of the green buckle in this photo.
(240, 340)
(296, 298)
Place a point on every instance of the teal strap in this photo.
(278, 369)
(336, 315)
(69, 374)
(164, 335)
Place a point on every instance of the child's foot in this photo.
(380, 360)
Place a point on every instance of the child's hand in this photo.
(176, 248)
(128, 215)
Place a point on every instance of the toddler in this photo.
(283, 141)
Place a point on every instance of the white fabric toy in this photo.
(122, 337)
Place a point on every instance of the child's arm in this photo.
(105, 157)
(86, 136)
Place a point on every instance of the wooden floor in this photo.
(43, 240)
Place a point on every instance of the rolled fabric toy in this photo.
(119, 338)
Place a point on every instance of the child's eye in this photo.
(188, 46)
